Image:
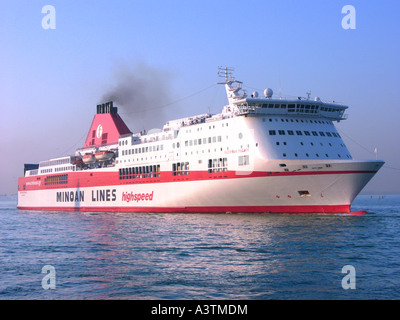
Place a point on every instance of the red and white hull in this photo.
(257, 155)
(261, 192)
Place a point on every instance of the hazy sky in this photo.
(52, 79)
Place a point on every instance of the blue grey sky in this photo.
(51, 80)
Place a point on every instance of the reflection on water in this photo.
(200, 256)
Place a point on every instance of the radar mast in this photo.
(232, 86)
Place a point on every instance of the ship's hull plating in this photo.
(326, 192)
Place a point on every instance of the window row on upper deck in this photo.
(298, 107)
(306, 133)
(301, 121)
(205, 140)
(143, 150)
(55, 162)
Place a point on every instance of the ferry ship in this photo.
(259, 155)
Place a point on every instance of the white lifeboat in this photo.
(104, 155)
(88, 158)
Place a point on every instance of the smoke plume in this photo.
(142, 94)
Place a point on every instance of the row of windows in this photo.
(142, 150)
(209, 127)
(195, 142)
(123, 142)
(64, 168)
(55, 162)
(291, 107)
(300, 121)
(139, 172)
(188, 143)
(304, 108)
(33, 172)
(180, 168)
(132, 140)
(311, 109)
(317, 155)
(59, 179)
(306, 133)
(217, 165)
(311, 143)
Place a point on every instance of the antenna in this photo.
(308, 94)
(226, 72)
(280, 85)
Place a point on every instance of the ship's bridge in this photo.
(240, 103)
(300, 106)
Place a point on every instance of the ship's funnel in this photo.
(107, 126)
(107, 108)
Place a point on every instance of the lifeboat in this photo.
(104, 155)
(89, 158)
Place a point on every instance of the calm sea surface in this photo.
(201, 256)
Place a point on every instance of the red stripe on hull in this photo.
(224, 209)
(98, 179)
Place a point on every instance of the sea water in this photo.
(76, 255)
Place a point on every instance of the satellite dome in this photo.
(268, 93)
(255, 94)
